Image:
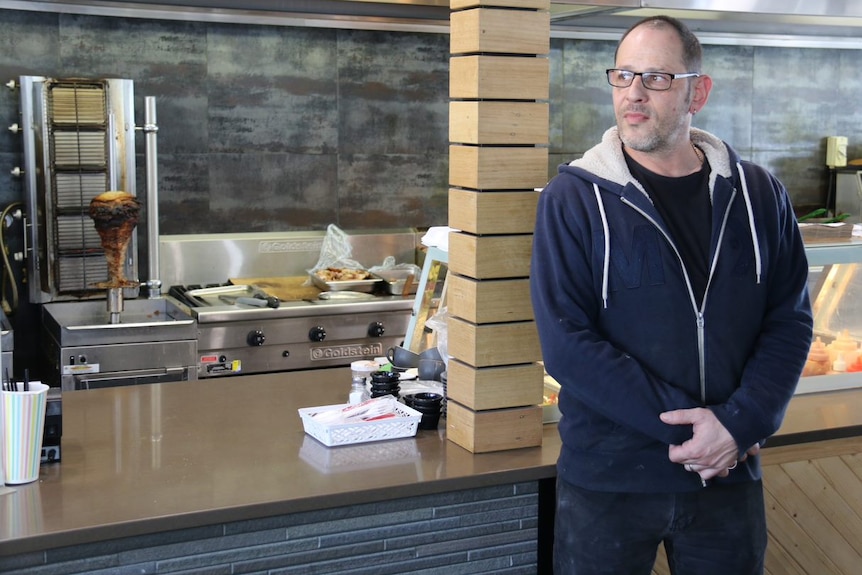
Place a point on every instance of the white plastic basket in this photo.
(349, 458)
(404, 425)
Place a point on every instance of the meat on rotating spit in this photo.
(115, 215)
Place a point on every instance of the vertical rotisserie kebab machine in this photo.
(78, 144)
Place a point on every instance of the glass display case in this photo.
(835, 284)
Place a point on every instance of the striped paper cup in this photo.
(22, 415)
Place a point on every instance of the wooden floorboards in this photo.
(813, 495)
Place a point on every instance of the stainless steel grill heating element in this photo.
(78, 143)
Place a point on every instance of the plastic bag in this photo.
(421, 386)
(336, 251)
(439, 323)
(389, 264)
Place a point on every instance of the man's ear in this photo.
(702, 88)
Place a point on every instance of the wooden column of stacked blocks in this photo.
(498, 155)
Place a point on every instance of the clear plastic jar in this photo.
(358, 393)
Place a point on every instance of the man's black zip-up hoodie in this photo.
(623, 334)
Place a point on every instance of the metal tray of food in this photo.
(330, 279)
(396, 280)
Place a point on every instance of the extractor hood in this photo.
(803, 23)
(401, 15)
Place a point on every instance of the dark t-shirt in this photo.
(684, 205)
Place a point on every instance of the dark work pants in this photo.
(718, 530)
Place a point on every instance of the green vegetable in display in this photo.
(818, 213)
(837, 219)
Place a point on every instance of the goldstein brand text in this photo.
(289, 246)
(340, 351)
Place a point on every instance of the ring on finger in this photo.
(735, 463)
(687, 467)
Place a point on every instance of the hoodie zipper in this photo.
(698, 313)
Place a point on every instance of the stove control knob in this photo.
(376, 329)
(255, 338)
(317, 333)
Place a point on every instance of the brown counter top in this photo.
(151, 458)
(819, 416)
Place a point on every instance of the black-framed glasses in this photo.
(658, 81)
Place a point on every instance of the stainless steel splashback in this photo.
(78, 137)
(214, 258)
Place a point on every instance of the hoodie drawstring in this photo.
(755, 243)
(607, 256)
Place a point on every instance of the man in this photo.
(669, 286)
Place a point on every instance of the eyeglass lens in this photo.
(651, 80)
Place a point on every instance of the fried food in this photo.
(341, 274)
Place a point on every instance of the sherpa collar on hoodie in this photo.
(606, 161)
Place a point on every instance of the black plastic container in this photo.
(429, 405)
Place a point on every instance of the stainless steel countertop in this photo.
(151, 458)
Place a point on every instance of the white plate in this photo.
(408, 374)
